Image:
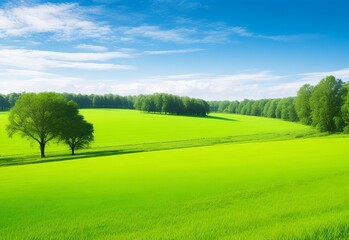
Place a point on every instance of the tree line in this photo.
(82, 100)
(158, 102)
(171, 104)
(324, 106)
(283, 108)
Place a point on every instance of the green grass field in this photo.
(223, 177)
(123, 131)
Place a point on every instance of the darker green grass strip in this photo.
(11, 160)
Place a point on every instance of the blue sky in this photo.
(209, 49)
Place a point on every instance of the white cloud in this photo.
(64, 56)
(64, 21)
(162, 6)
(244, 32)
(94, 48)
(213, 33)
(207, 86)
(164, 52)
(16, 73)
(38, 60)
(241, 31)
(40, 84)
(180, 35)
(69, 21)
(314, 77)
(253, 85)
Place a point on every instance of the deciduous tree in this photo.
(325, 104)
(38, 117)
(302, 103)
(76, 132)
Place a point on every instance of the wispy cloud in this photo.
(241, 31)
(207, 86)
(38, 60)
(18, 73)
(65, 56)
(179, 35)
(166, 52)
(244, 32)
(161, 6)
(212, 33)
(253, 85)
(314, 77)
(63, 21)
(69, 21)
(94, 48)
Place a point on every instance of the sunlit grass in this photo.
(289, 189)
(127, 130)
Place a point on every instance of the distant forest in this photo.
(324, 106)
(156, 103)
(167, 103)
(83, 100)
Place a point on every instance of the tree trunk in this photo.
(72, 151)
(42, 149)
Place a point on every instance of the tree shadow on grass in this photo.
(221, 118)
(193, 116)
(93, 154)
(22, 160)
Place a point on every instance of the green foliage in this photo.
(12, 98)
(223, 106)
(83, 100)
(46, 116)
(325, 104)
(167, 103)
(320, 106)
(278, 109)
(246, 109)
(38, 117)
(288, 111)
(303, 103)
(272, 108)
(4, 104)
(75, 131)
(345, 108)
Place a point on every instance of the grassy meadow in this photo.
(118, 131)
(222, 177)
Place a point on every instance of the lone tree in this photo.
(40, 117)
(77, 133)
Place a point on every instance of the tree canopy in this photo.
(345, 108)
(172, 104)
(41, 117)
(325, 104)
(303, 103)
(76, 132)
